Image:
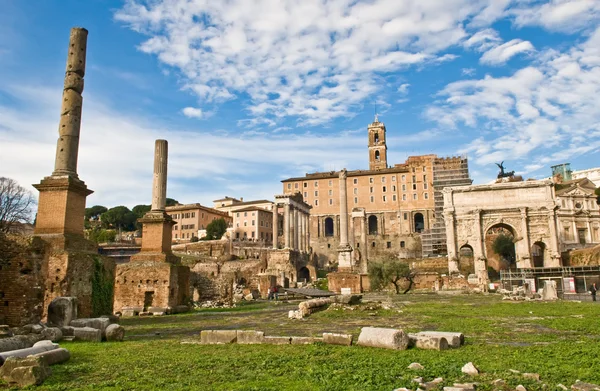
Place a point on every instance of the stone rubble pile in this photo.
(498, 384)
(31, 366)
(523, 293)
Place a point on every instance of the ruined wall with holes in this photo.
(21, 280)
(212, 280)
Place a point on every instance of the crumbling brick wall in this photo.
(21, 280)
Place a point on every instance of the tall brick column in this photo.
(69, 260)
(61, 206)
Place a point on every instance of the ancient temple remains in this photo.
(154, 280)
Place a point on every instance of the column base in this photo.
(345, 261)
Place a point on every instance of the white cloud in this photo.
(483, 40)
(500, 54)
(248, 163)
(312, 59)
(192, 112)
(403, 89)
(562, 15)
(550, 104)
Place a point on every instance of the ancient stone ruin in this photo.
(58, 260)
(154, 280)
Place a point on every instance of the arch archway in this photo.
(537, 254)
(500, 247)
(372, 225)
(328, 226)
(465, 259)
(376, 155)
(419, 222)
(376, 138)
(303, 275)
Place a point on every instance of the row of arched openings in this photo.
(373, 224)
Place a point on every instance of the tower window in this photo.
(376, 155)
(355, 181)
(376, 137)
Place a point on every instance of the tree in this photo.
(15, 204)
(140, 210)
(171, 202)
(390, 271)
(119, 217)
(216, 229)
(503, 245)
(94, 212)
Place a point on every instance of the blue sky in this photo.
(252, 92)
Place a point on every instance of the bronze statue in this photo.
(503, 174)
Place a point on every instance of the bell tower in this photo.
(377, 145)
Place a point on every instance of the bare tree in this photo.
(16, 204)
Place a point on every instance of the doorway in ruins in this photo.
(465, 260)
(500, 247)
(303, 275)
(148, 299)
(537, 254)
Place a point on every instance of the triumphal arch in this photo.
(525, 212)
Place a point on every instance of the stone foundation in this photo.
(151, 284)
(357, 283)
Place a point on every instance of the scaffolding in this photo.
(578, 278)
(447, 172)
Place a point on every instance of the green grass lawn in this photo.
(560, 341)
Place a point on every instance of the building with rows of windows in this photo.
(192, 220)
(390, 208)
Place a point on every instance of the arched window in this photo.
(537, 253)
(419, 222)
(376, 137)
(329, 226)
(376, 155)
(372, 225)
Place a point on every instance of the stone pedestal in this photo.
(61, 206)
(345, 259)
(156, 238)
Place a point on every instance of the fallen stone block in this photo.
(582, 386)
(157, 309)
(55, 356)
(415, 366)
(218, 336)
(455, 340)
(115, 332)
(88, 334)
(61, 311)
(520, 387)
(13, 343)
(67, 331)
(337, 339)
(247, 337)
(304, 340)
(25, 372)
(95, 323)
(39, 347)
(33, 328)
(278, 340)
(5, 331)
(53, 334)
(428, 342)
(297, 314)
(383, 338)
(131, 311)
(470, 369)
(179, 309)
(111, 318)
(310, 306)
(463, 387)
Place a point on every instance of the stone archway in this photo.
(303, 274)
(505, 234)
(466, 260)
(537, 254)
